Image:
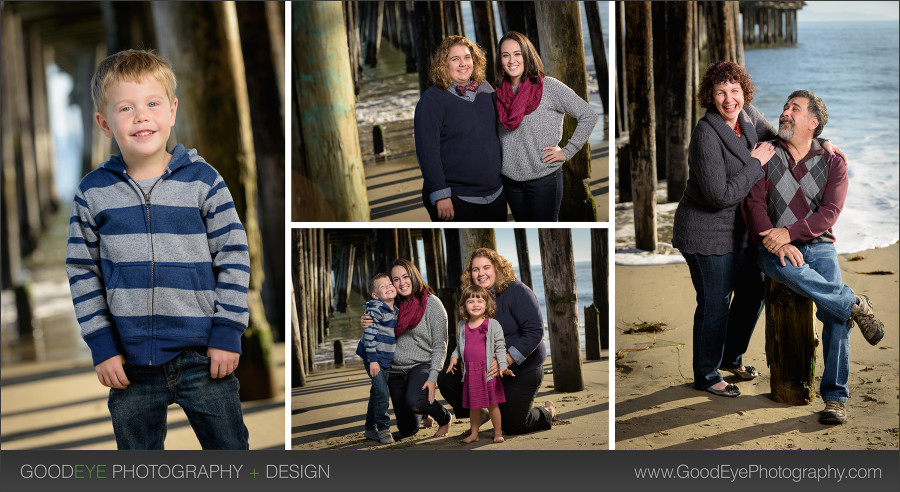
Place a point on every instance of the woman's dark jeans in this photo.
(722, 325)
(411, 401)
(517, 415)
(536, 200)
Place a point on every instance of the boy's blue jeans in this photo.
(819, 278)
(212, 406)
(377, 414)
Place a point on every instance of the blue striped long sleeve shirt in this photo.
(153, 274)
(379, 337)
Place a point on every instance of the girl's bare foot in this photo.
(551, 408)
(444, 430)
(427, 422)
(498, 439)
(485, 417)
(473, 437)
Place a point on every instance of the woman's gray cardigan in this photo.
(426, 343)
(494, 343)
(721, 173)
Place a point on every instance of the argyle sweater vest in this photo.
(796, 189)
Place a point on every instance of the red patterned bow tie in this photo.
(471, 86)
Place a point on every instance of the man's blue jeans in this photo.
(722, 325)
(212, 406)
(819, 278)
(377, 414)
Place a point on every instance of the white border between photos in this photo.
(609, 225)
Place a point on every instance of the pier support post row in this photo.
(790, 345)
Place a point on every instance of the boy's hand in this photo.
(452, 364)
(374, 369)
(111, 372)
(221, 362)
(508, 372)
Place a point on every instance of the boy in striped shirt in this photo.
(158, 266)
(379, 344)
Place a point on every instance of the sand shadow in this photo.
(686, 414)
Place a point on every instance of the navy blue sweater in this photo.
(519, 314)
(456, 142)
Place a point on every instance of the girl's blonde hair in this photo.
(440, 73)
(502, 267)
(477, 291)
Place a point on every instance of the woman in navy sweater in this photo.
(523, 330)
(456, 138)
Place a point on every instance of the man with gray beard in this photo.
(790, 214)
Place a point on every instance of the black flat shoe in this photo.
(747, 374)
(730, 390)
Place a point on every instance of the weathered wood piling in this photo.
(185, 31)
(334, 186)
(562, 314)
(769, 24)
(600, 281)
(790, 345)
(642, 118)
(559, 25)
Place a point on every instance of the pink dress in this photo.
(478, 393)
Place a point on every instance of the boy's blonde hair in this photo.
(372, 283)
(130, 66)
(490, 308)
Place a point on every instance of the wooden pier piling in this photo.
(326, 116)
(598, 49)
(600, 280)
(524, 260)
(642, 120)
(185, 32)
(486, 35)
(562, 315)
(790, 345)
(559, 24)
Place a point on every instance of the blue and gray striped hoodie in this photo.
(153, 274)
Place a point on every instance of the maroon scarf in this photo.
(513, 106)
(411, 312)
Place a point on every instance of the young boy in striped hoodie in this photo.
(158, 266)
(377, 351)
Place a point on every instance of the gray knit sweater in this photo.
(424, 344)
(721, 173)
(543, 128)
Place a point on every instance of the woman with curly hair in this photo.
(456, 138)
(523, 331)
(725, 159)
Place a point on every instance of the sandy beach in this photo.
(329, 413)
(657, 407)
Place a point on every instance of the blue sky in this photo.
(849, 11)
(506, 245)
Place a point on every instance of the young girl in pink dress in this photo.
(477, 336)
